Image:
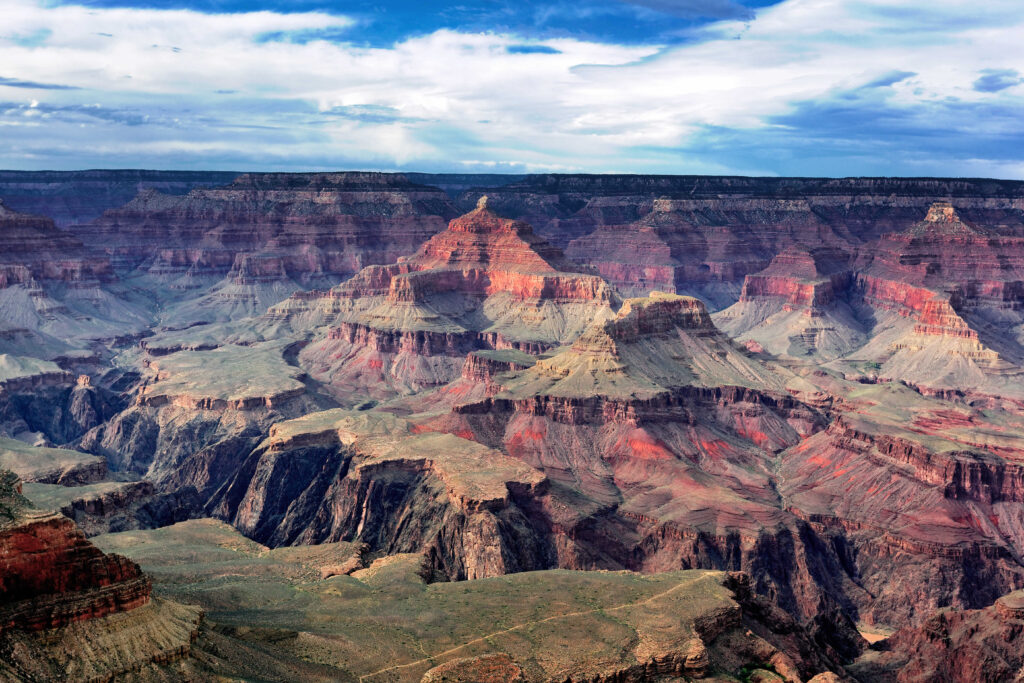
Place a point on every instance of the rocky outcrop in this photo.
(940, 510)
(373, 479)
(46, 252)
(52, 576)
(37, 397)
(953, 645)
(797, 306)
(485, 283)
(196, 414)
(702, 235)
(113, 507)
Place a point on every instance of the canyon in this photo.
(597, 428)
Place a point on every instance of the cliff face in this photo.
(374, 479)
(953, 645)
(68, 611)
(935, 305)
(485, 283)
(76, 197)
(197, 413)
(848, 433)
(52, 575)
(702, 235)
(235, 250)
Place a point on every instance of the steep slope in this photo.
(70, 612)
(54, 293)
(943, 296)
(658, 437)
(42, 404)
(702, 247)
(230, 252)
(957, 646)
(484, 283)
(372, 478)
(197, 413)
(936, 518)
(797, 306)
(935, 305)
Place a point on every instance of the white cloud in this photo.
(458, 96)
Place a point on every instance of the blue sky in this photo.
(772, 87)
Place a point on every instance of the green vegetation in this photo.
(385, 623)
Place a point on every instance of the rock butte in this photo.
(419, 428)
(484, 283)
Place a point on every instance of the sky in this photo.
(751, 87)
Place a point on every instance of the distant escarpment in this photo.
(76, 197)
(701, 235)
(232, 251)
(55, 292)
(569, 206)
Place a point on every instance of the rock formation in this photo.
(485, 283)
(797, 306)
(197, 413)
(70, 612)
(471, 407)
(955, 646)
(77, 197)
(53, 291)
(371, 478)
(570, 206)
(232, 251)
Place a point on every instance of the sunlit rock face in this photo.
(484, 283)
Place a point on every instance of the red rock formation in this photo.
(485, 283)
(52, 576)
(957, 646)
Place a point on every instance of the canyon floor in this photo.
(375, 427)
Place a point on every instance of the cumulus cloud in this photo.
(820, 86)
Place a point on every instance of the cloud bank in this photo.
(806, 87)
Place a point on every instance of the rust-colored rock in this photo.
(52, 576)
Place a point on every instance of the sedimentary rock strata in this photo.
(52, 575)
(421, 418)
(232, 251)
(373, 479)
(485, 283)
